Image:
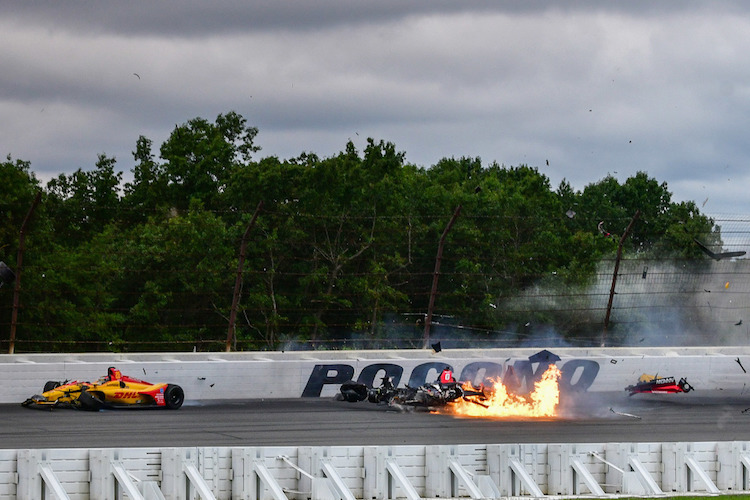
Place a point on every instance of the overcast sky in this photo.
(593, 88)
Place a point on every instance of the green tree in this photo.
(664, 227)
(340, 233)
(344, 247)
(270, 301)
(19, 187)
(70, 294)
(508, 236)
(178, 279)
(201, 157)
(82, 204)
(149, 188)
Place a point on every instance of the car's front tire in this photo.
(89, 402)
(174, 396)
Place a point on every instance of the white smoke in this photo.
(656, 303)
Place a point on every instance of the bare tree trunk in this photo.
(19, 269)
(238, 279)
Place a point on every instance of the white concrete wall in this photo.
(214, 376)
(604, 470)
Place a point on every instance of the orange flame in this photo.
(541, 402)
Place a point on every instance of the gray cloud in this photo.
(596, 88)
(191, 18)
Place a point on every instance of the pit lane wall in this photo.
(715, 372)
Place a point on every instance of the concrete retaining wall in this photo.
(216, 376)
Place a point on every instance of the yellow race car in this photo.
(110, 391)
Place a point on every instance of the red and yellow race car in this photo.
(113, 390)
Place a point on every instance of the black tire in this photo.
(174, 396)
(373, 396)
(89, 402)
(685, 386)
(353, 392)
(50, 385)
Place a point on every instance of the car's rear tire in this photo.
(174, 396)
(89, 402)
(52, 384)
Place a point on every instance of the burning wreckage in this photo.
(496, 397)
(493, 400)
(427, 396)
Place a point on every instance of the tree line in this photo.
(344, 247)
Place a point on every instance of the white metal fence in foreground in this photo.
(377, 472)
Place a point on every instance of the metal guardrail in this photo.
(378, 472)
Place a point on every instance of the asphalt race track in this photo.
(325, 422)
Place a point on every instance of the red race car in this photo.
(659, 385)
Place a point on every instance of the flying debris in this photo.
(436, 347)
(570, 214)
(624, 414)
(136, 74)
(738, 323)
(718, 256)
(544, 356)
(740, 363)
(603, 231)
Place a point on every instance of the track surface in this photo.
(325, 422)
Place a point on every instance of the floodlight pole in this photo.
(238, 279)
(19, 269)
(435, 275)
(614, 277)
